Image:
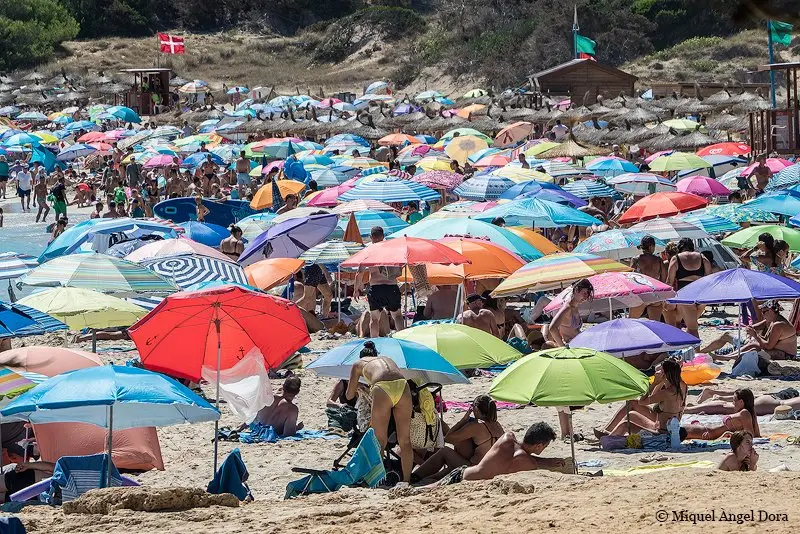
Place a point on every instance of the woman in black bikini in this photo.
(686, 267)
(471, 440)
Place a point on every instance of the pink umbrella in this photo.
(702, 186)
(622, 290)
(272, 165)
(480, 207)
(564, 104)
(328, 103)
(328, 197)
(650, 159)
(439, 179)
(774, 164)
(493, 160)
(162, 160)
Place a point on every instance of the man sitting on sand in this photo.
(441, 303)
(478, 317)
(743, 457)
(282, 413)
(508, 455)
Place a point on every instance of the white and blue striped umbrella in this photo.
(587, 189)
(712, 224)
(328, 177)
(379, 169)
(77, 150)
(366, 220)
(483, 187)
(13, 265)
(788, 177)
(193, 269)
(390, 190)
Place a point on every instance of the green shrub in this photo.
(31, 29)
(702, 65)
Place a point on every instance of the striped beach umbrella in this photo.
(328, 177)
(711, 224)
(391, 191)
(366, 220)
(618, 244)
(355, 206)
(640, 183)
(556, 270)
(195, 269)
(17, 320)
(670, 229)
(483, 187)
(13, 383)
(587, 189)
(99, 272)
(787, 177)
(13, 265)
(330, 252)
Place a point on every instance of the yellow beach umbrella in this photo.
(83, 308)
(535, 239)
(263, 197)
(463, 146)
(432, 163)
(519, 175)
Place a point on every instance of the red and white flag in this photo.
(171, 44)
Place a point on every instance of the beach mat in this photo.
(463, 406)
(643, 469)
(714, 420)
(258, 433)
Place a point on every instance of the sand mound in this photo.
(143, 499)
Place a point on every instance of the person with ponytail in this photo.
(471, 439)
(744, 419)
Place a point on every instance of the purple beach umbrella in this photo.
(628, 337)
(290, 239)
(737, 285)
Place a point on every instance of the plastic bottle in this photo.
(674, 428)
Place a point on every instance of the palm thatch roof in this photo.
(571, 148)
(693, 106)
(693, 141)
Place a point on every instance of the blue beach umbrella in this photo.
(532, 187)
(416, 361)
(124, 113)
(781, 202)
(483, 187)
(711, 224)
(390, 190)
(366, 220)
(557, 196)
(587, 189)
(537, 213)
(206, 233)
(22, 139)
(341, 139)
(289, 239)
(75, 151)
(17, 320)
(611, 166)
(617, 244)
(32, 116)
(81, 125)
(198, 158)
(785, 178)
(328, 177)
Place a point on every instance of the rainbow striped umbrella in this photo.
(106, 274)
(13, 383)
(555, 271)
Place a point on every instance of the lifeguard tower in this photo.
(150, 87)
(778, 129)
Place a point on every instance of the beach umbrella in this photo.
(617, 244)
(785, 202)
(81, 125)
(434, 163)
(615, 290)
(513, 133)
(735, 286)
(787, 177)
(160, 161)
(205, 233)
(439, 228)
(439, 179)
(113, 397)
(194, 87)
(462, 147)
(559, 169)
(22, 139)
(532, 187)
(255, 225)
(404, 251)
(467, 111)
(678, 161)
(475, 93)
(78, 150)
(535, 239)
(748, 237)
(492, 160)
(124, 113)
(327, 198)
(739, 213)
(32, 116)
(537, 213)
(682, 124)
(20, 320)
(555, 271)
(13, 265)
(330, 252)
(775, 165)
(611, 166)
(264, 196)
(328, 177)
(629, 337)
(289, 239)
(487, 261)
(83, 308)
(459, 132)
(725, 149)
(48, 361)
(702, 186)
(587, 189)
(198, 158)
(390, 190)
(168, 248)
(216, 328)
(711, 224)
(276, 150)
(569, 377)
(13, 383)
(522, 176)
(416, 361)
(483, 187)
(91, 270)
(463, 346)
(190, 269)
(397, 139)
(355, 206)
(266, 274)
(298, 213)
(640, 183)
(539, 148)
(366, 220)
(670, 229)
(661, 205)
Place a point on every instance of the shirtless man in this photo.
(762, 174)
(232, 246)
(282, 413)
(291, 203)
(508, 455)
(650, 265)
(40, 193)
(442, 303)
(242, 173)
(743, 457)
(383, 292)
(478, 317)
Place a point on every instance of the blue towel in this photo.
(11, 525)
(76, 475)
(259, 433)
(231, 477)
(366, 466)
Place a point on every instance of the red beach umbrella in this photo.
(662, 205)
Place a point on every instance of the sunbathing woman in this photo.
(668, 395)
(471, 440)
(743, 418)
(391, 397)
(718, 402)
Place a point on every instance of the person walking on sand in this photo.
(24, 180)
(40, 192)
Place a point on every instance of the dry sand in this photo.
(515, 503)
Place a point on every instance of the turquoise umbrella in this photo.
(124, 113)
(538, 213)
(366, 220)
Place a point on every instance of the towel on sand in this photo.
(714, 420)
(258, 433)
(641, 469)
(463, 406)
(231, 477)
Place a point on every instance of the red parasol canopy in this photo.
(405, 251)
(725, 149)
(662, 205)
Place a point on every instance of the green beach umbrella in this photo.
(678, 161)
(463, 346)
(749, 236)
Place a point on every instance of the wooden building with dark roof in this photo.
(578, 77)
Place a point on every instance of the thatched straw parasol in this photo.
(693, 106)
(571, 148)
(692, 141)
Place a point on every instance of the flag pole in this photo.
(771, 61)
(575, 29)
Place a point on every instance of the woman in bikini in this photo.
(232, 246)
(667, 396)
(743, 457)
(719, 402)
(686, 267)
(391, 397)
(567, 322)
(471, 439)
(744, 418)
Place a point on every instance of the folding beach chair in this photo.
(75, 475)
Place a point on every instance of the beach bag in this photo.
(423, 436)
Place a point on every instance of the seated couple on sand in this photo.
(508, 455)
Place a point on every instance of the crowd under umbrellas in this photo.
(269, 197)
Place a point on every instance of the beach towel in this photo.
(75, 475)
(463, 406)
(714, 420)
(258, 433)
(245, 386)
(231, 477)
(642, 469)
(365, 467)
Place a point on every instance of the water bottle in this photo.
(674, 429)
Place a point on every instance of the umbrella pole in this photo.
(739, 335)
(572, 444)
(628, 415)
(458, 300)
(216, 423)
(339, 292)
(109, 444)
(94, 340)
(405, 302)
